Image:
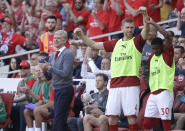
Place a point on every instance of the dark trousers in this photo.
(62, 101)
(17, 117)
(75, 124)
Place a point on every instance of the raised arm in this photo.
(131, 10)
(95, 45)
(11, 14)
(163, 32)
(154, 7)
(179, 21)
(144, 32)
(101, 25)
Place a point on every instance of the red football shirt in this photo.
(93, 27)
(114, 19)
(138, 20)
(154, 14)
(17, 39)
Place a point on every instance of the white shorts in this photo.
(160, 105)
(123, 98)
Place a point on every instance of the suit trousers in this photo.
(62, 100)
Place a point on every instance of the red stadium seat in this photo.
(8, 100)
(119, 129)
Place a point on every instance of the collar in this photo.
(61, 50)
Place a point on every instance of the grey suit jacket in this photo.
(62, 69)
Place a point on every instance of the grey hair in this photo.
(62, 33)
(54, 2)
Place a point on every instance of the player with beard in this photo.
(46, 39)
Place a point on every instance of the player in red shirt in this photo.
(98, 21)
(160, 102)
(118, 101)
(9, 39)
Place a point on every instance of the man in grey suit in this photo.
(61, 68)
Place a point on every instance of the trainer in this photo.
(61, 68)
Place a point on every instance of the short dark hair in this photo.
(43, 54)
(83, 1)
(105, 77)
(52, 17)
(102, 1)
(127, 20)
(180, 47)
(157, 41)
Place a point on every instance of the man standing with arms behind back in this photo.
(125, 64)
(61, 68)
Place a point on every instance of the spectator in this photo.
(100, 100)
(180, 119)
(50, 9)
(34, 62)
(96, 58)
(46, 39)
(181, 41)
(132, 11)
(120, 71)
(88, 62)
(45, 111)
(42, 55)
(147, 50)
(77, 16)
(16, 6)
(97, 22)
(178, 53)
(175, 40)
(34, 59)
(9, 38)
(40, 109)
(21, 98)
(14, 65)
(153, 9)
(96, 116)
(89, 4)
(181, 21)
(116, 14)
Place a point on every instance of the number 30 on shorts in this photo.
(165, 111)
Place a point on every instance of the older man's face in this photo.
(59, 41)
(51, 6)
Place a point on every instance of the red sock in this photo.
(133, 127)
(167, 125)
(147, 124)
(113, 127)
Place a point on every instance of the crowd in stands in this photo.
(31, 24)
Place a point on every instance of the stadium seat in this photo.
(8, 100)
(119, 129)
